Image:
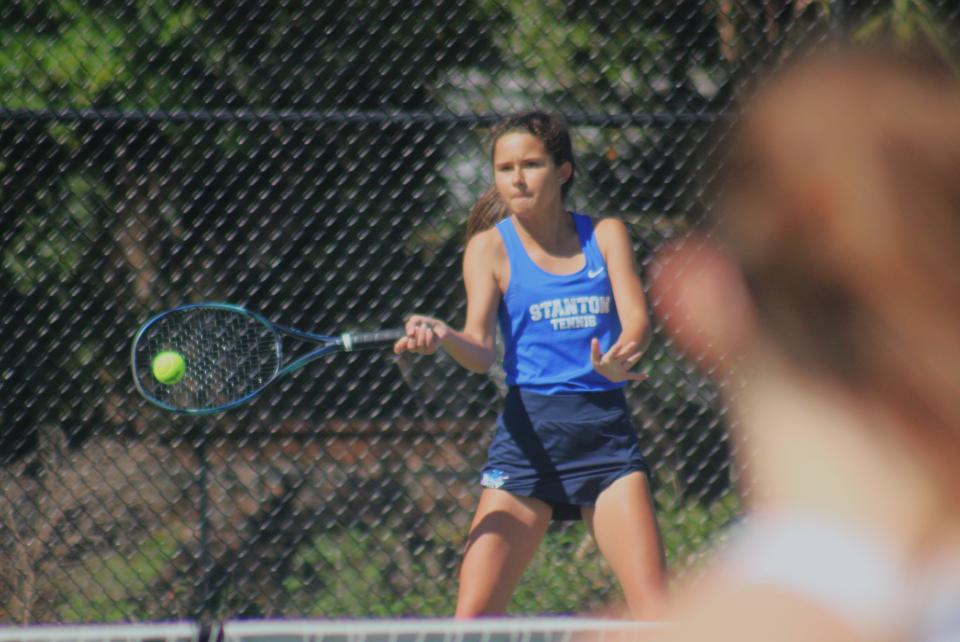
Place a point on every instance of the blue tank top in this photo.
(547, 320)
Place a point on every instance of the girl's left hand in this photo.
(616, 363)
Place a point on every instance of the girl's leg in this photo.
(625, 529)
(506, 531)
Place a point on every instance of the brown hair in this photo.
(550, 130)
(841, 203)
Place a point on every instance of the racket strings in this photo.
(228, 356)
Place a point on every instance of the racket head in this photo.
(230, 355)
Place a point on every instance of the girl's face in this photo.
(526, 177)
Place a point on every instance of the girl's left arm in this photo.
(617, 249)
(614, 242)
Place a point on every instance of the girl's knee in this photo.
(469, 607)
(648, 599)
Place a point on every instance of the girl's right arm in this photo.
(472, 347)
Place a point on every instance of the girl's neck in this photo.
(550, 230)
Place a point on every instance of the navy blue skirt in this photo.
(562, 449)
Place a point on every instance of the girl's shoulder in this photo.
(605, 224)
(487, 244)
(608, 230)
(599, 222)
(488, 239)
(486, 256)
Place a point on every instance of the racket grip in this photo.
(364, 340)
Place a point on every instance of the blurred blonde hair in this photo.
(840, 202)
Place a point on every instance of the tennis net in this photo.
(155, 632)
(559, 629)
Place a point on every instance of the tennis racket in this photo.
(230, 355)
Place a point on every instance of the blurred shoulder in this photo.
(750, 613)
(815, 576)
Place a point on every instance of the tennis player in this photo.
(832, 281)
(571, 310)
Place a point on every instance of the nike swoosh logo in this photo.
(594, 273)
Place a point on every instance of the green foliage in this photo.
(50, 242)
(556, 51)
(77, 55)
(567, 575)
(367, 572)
(121, 586)
(907, 21)
(373, 572)
(690, 529)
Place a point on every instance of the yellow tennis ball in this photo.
(168, 367)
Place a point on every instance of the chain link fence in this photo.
(315, 161)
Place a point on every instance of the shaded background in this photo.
(315, 161)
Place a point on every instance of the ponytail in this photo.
(487, 212)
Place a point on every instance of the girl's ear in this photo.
(566, 171)
(698, 293)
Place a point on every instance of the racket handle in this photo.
(364, 340)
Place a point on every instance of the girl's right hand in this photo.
(424, 335)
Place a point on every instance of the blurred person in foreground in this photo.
(826, 300)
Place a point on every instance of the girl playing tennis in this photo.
(570, 307)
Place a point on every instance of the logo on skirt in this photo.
(493, 478)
